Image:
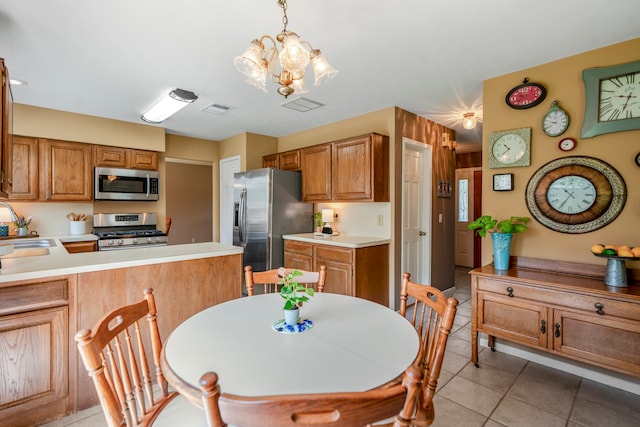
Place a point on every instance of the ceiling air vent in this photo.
(302, 104)
(216, 109)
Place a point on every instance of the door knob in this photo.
(422, 233)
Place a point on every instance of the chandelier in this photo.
(294, 56)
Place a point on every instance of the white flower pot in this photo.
(291, 316)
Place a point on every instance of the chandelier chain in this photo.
(285, 18)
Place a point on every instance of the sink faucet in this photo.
(14, 216)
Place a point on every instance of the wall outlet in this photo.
(380, 219)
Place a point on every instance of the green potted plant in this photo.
(502, 232)
(317, 220)
(294, 295)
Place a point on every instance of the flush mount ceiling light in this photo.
(294, 56)
(469, 120)
(173, 102)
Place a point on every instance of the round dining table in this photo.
(352, 344)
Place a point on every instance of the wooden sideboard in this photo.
(561, 308)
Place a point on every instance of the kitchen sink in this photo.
(33, 243)
(25, 252)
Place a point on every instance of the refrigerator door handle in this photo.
(243, 217)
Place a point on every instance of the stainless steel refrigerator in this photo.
(268, 204)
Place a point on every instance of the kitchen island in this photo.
(46, 299)
(356, 265)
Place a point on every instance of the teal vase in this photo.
(501, 250)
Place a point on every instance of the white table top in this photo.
(354, 345)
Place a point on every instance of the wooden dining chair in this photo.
(116, 357)
(432, 314)
(346, 409)
(270, 278)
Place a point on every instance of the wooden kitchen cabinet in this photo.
(270, 161)
(119, 157)
(25, 168)
(34, 351)
(360, 272)
(81, 247)
(6, 130)
(353, 169)
(316, 173)
(561, 308)
(289, 160)
(360, 169)
(66, 170)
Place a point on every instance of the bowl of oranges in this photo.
(622, 251)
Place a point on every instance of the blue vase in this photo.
(501, 250)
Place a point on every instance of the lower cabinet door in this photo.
(517, 320)
(33, 366)
(339, 276)
(605, 341)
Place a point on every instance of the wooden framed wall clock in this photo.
(510, 148)
(612, 99)
(576, 194)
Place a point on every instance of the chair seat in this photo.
(180, 412)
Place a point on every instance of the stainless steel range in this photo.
(128, 231)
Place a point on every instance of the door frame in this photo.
(410, 144)
(226, 197)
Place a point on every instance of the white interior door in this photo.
(228, 167)
(416, 210)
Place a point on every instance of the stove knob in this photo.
(120, 242)
(134, 241)
(148, 239)
(110, 242)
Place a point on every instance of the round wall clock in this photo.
(576, 194)
(638, 159)
(556, 121)
(567, 144)
(526, 95)
(510, 148)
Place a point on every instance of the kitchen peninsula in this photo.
(46, 299)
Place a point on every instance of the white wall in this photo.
(361, 219)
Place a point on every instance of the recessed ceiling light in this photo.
(17, 82)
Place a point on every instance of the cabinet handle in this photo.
(543, 326)
(557, 332)
(510, 291)
(599, 308)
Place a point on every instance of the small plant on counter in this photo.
(22, 221)
(293, 293)
(486, 223)
(317, 218)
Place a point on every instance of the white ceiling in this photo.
(115, 58)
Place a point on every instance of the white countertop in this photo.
(347, 241)
(60, 262)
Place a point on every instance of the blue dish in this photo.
(283, 328)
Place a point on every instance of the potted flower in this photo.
(501, 234)
(22, 224)
(294, 295)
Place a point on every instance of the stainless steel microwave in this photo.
(126, 184)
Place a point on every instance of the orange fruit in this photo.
(636, 251)
(610, 246)
(625, 253)
(597, 248)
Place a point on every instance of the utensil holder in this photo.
(77, 227)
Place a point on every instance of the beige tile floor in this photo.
(504, 391)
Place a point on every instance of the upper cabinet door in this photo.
(25, 168)
(361, 169)
(66, 171)
(316, 173)
(289, 160)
